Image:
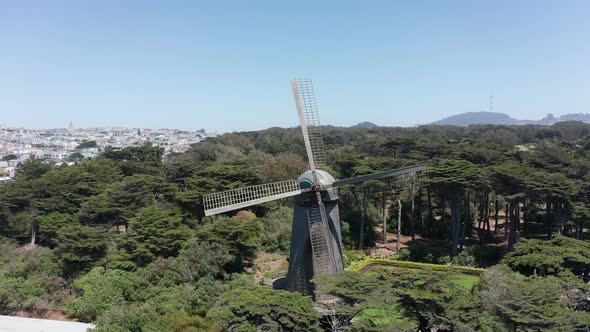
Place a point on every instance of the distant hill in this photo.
(365, 124)
(470, 118)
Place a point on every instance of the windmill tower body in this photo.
(315, 247)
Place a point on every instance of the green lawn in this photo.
(465, 281)
(359, 266)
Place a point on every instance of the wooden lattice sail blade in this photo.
(243, 197)
(309, 120)
(381, 175)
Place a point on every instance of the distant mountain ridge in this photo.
(492, 118)
(471, 118)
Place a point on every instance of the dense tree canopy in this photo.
(262, 308)
(122, 240)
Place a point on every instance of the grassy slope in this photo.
(360, 266)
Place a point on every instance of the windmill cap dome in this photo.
(306, 179)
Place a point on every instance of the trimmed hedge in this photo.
(415, 265)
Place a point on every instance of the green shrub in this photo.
(101, 290)
(353, 256)
(264, 309)
(463, 258)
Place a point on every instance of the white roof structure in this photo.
(22, 324)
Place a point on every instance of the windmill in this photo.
(316, 243)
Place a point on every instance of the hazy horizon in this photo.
(227, 67)
(285, 127)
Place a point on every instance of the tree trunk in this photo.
(33, 212)
(489, 226)
(459, 218)
(468, 212)
(430, 213)
(474, 218)
(455, 220)
(362, 231)
(560, 220)
(475, 210)
(566, 229)
(481, 220)
(515, 230)
(524, 217)
(548, 219)
(363, 202)
(399, 224)
(421, 209)
(506, 221)
(478, 214)
(567, 214)
(33, 233)
(482, 209)
(453, 226)
(384, 218)
(514, 216)
(497, 207)
(413, 214)
(557, 215)
(466, 219)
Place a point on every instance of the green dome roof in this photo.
(306, 179)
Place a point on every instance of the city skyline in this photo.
(226, 68)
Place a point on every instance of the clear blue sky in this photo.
(226, 66)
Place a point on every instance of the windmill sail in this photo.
(243, 197)
(309, 120)
(322, 246)
(381, 175)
